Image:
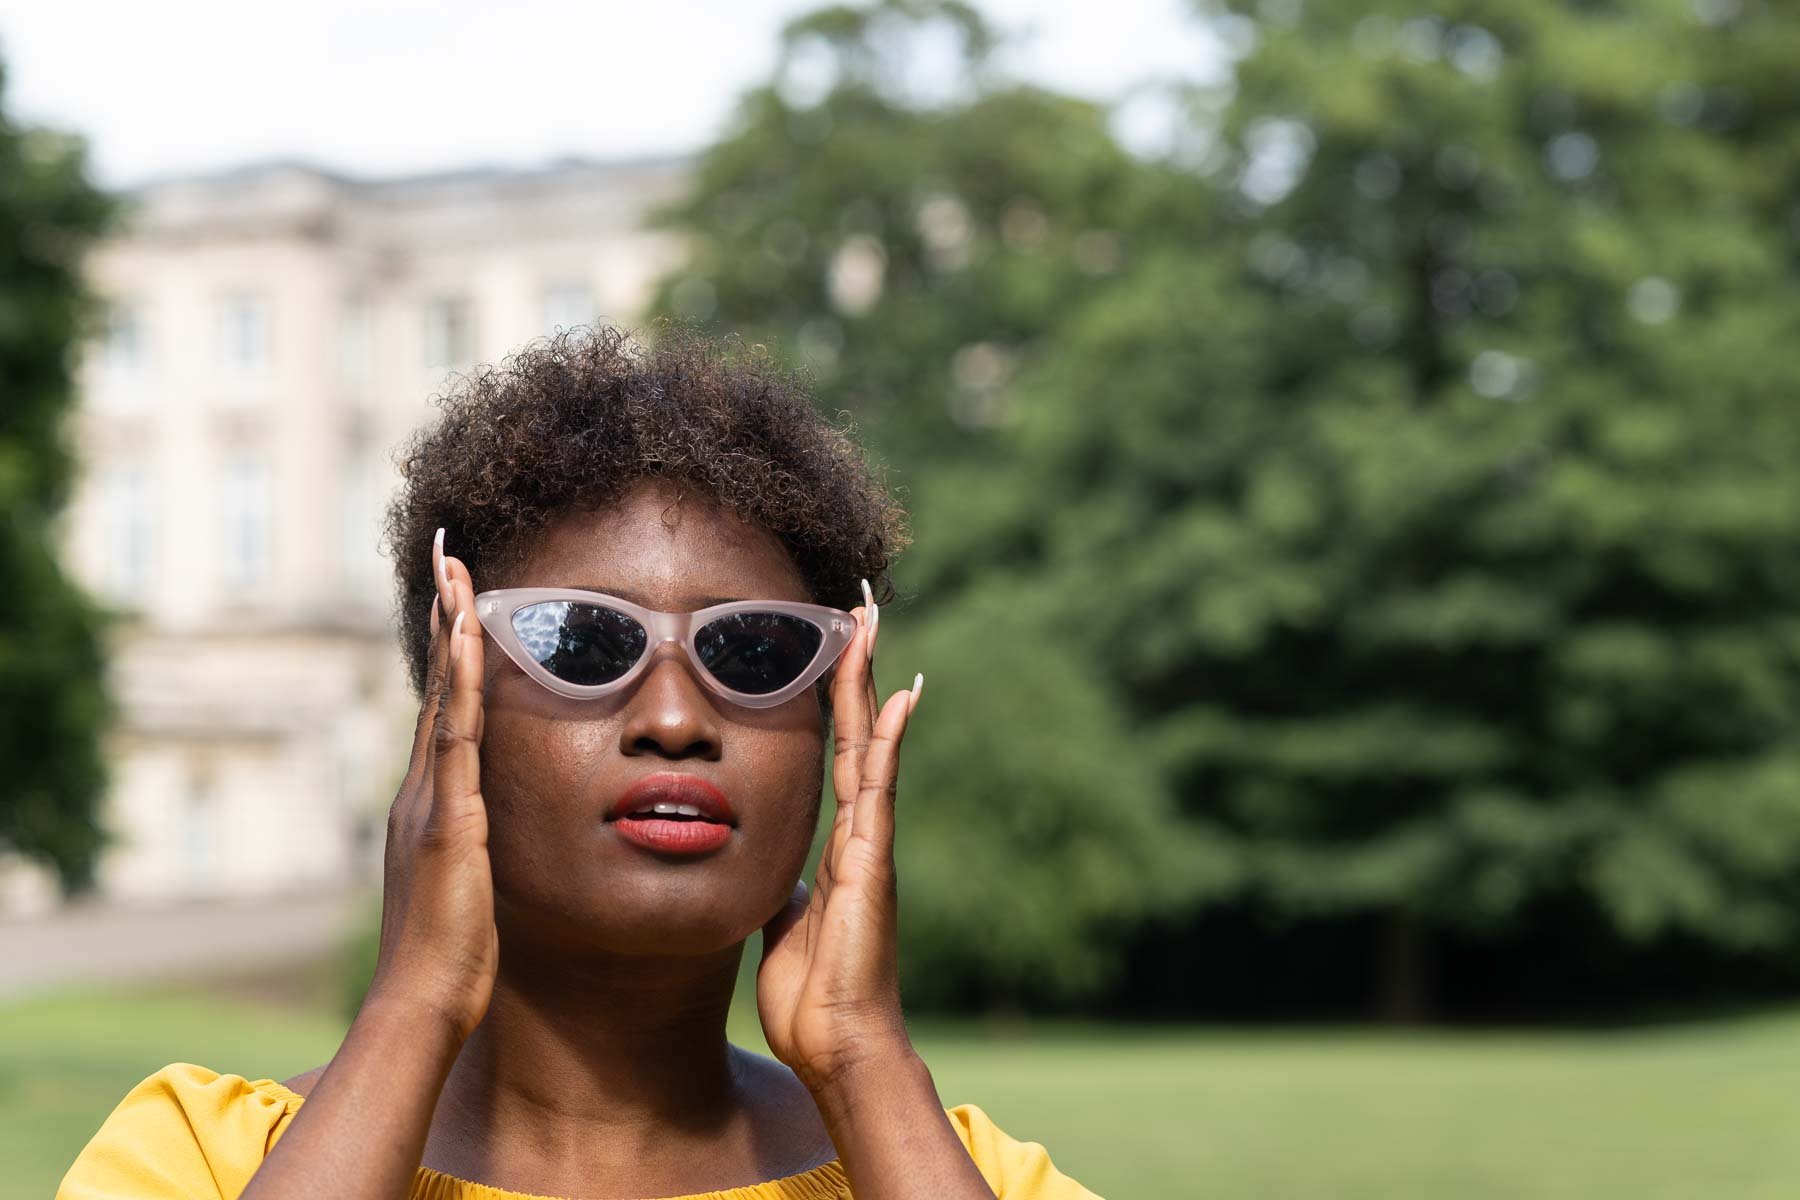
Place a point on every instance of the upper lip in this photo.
(675, 788)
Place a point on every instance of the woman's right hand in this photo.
(439, 947)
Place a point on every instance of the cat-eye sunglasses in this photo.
(585, 645)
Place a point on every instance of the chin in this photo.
(668, 940)
(609, 919)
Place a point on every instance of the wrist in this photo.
(883, 1071)
(425, 1020)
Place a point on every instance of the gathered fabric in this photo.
(188, 1132)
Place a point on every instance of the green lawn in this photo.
(1683, 1111)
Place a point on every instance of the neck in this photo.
(585, 1065)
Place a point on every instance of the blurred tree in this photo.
(1486, 597)
(1401, 487)
(912, 228)
(53, 703)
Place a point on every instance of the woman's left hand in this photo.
(828, 987)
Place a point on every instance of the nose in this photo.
(670, 713)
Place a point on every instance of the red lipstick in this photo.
(705, 825)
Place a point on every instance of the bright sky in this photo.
(384, 87)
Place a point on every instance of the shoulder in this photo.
(302, 1084)
(1014, 1169)
(183, 1131)
(784, 1110)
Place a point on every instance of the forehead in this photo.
(665, 545)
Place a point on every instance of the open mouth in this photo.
(670, 813)
(673, 833)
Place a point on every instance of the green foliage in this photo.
(914, 252)
(53, 704)
(1025, 850)
(1387, 512)
(1519, 543)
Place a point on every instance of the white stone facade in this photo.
(275, 334)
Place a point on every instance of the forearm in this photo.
(361, 1132)
(893, 1136)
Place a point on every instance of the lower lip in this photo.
(673, 837)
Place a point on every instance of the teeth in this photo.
(686, 810)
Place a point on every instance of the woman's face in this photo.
(552, 767)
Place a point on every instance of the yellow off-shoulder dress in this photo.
(190, 1133)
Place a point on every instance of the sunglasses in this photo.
(584, 645)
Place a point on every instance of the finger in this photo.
(459, 587)
(437, 660)
(848, 735)
(440, 575)
(445, 572)
(403, 813)
(869, 694)
(852, 719)
(456, 741)
(851, 714)
(431, 702)
(437, 671)
(875, 798)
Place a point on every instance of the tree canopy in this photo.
(53, 701)
(1379, 519)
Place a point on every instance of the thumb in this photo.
(777, 926)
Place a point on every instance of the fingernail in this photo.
(918, 689)
(438, 545)
(434, 616)
(456, 642)
(871, 614)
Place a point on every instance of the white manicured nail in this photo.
(438, 545)
(918, 689)
(455, 641)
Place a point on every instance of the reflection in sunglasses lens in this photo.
(584, 644)
(758, 652)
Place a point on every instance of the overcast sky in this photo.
(396, 86)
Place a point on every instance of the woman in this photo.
(616, 799)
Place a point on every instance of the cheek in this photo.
(538, 780)
(791, 785)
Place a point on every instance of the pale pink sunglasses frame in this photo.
(495, 609)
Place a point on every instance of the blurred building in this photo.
(274, 334)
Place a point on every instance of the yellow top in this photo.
(190, 1133)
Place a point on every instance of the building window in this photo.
(566, 305)
(199, 824)
(360, 497)
(122, 346)
(244, 331)
(125, 537)
(245, 516)
(356, 342)
(449, 333)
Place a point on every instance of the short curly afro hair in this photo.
(570, 421)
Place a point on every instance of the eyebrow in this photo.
(639, 598)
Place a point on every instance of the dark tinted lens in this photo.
(758, 652)
(584, 644)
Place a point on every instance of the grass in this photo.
(1665, 1112)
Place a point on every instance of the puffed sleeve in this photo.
(183, 1133)
(1015, 1170)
